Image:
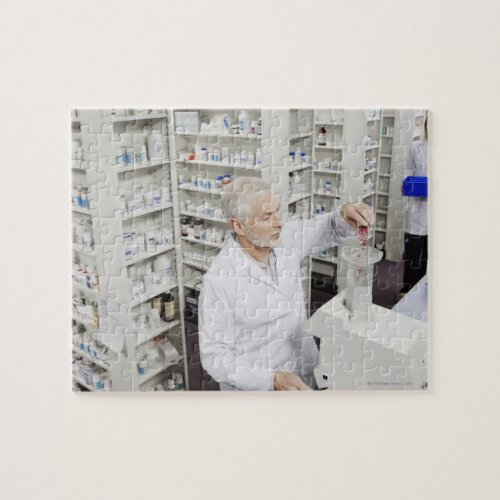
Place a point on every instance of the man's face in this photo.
(263, 226)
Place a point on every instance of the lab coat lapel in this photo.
(257, 273)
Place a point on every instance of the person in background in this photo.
(415, 239)
(252, 307)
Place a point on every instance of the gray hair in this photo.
(239, 194)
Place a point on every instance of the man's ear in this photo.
(236, 226)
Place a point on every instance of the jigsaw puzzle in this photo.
(260, 249)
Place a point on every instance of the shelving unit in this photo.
(129, 237)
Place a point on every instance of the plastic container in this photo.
(415, 186)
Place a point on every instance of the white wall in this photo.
(428, 54)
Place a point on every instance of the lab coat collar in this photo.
(255, 271)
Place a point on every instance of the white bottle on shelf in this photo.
(244, 122)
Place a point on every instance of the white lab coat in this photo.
(416, 207)
(249, 327)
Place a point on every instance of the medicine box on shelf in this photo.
(415, 186)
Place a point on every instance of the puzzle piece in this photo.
(150, 234)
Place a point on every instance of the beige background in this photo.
(440, 55)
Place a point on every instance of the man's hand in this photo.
(285, 381)
(355, 213)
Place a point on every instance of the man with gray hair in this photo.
(252, 308)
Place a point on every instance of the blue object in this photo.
(415, 186)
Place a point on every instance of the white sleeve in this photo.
(218, 350)
(324, 231)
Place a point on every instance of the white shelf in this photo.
(368, 195)
(218, 164)
(297, 137)
(76, 248)
(205, 217)
(188, 187)
(80, 210)
(372, 147)
(148, 296)
(368, 172)
(331, 195)
(384, 175)
(145, 116)
(142, 166)
(221, 136)
(389, 115)
(190, 285)
(387, 136)
(140, 213)
(383, 155)
(197, 265)
(146, 255)
(382, 193)
(84, 289)
(380, 229)
(338, 147)
(381, 211)
(372, 120)
(296, 168)
(143, 337)
(328, 124)
(86, 355)
(298, 197)
(84, 323)
(163, 365)
(202, 242)
(334, 172)
(82, 382)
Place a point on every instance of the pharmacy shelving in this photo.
(87, 356)
(128, 172)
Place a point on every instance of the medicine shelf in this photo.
(163, 365)
(148, 296)
(86, 324)
(368, 195)
(329, 124)
(133, 118)
(84, 289)
(372, 119)
(332, 172)
(141, 166)
(298, 197)
(338, 147)
(82, 169)
(202, 242)
(148, 255)
(77, 248)
(383, 155)
(191, 286)
(148, 334)
(368, 172)
(389, 115)
(223, 136)
(387, 136)
(80, 210)
(188, 187)
(384, 175)
(218, 164)
(204, 217)
(381, 229)
(296, 168)
(370, 148)
(327, 195)
(197, 265)
(382, 211)
(298, 137)
(82, 382)
(383, 193)
(140, 213)
(86, 355)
